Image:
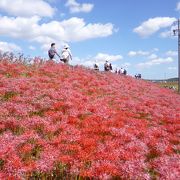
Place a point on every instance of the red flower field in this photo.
(60, 122)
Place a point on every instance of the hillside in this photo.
(61, 122)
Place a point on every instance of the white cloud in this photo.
(162, 60)
(100, 58)
(52, 1)
(9, 47)
(153, 62)
(19, 27)
(62, 14)
(132, 53)
(32, 48)
(169, 33)
(171, 53)
(166, 34)
(27, 8)
(155, 50)
(126, 65)
(70, 30)
(172, 68)
(138, 53)
(76, 7)
(178, 6)
(153, 25)
(152, 56)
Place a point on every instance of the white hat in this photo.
(66, 46)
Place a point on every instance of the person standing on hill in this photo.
(96, 67)
(66, 55)
(121, 71)
(52, 52)
(111, 68)
(107, 66)
(125, 72)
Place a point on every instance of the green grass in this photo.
(169, 84)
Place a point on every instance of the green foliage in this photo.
(9, 95)
(2, 162)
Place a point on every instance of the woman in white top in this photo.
(66, 55)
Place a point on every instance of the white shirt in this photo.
(66, 54)
(122, 70)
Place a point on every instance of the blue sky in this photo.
(134, 34)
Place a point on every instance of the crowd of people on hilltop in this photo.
(66, 56)
(121, 71)
(138, 76)
(108, 68)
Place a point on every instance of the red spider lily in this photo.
(58, 121)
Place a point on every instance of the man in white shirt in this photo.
(121, 71)
(107, 66)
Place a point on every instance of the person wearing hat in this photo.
(66, 54)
